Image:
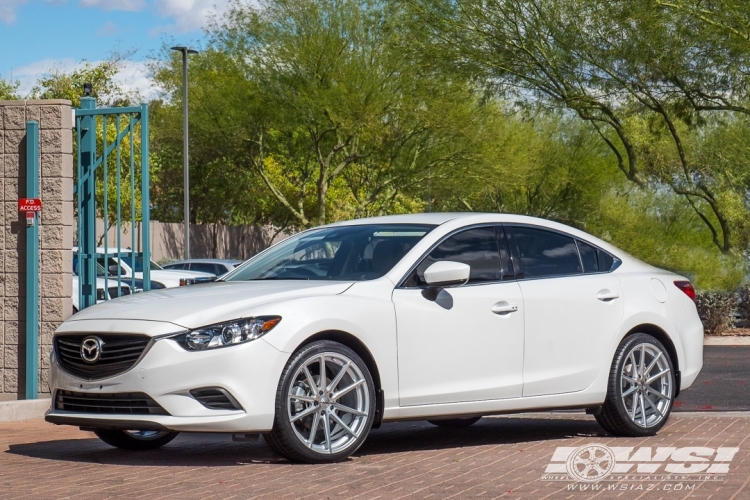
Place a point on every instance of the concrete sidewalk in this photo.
(728, 340)
(11, 411)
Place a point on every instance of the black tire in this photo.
(455, 423)
(128, 440)
(284, 439)
(613, 415)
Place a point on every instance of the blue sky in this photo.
(37, 36)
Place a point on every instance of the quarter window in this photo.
(475, 247)
(544, 253)
(588, 257)
(594, 260)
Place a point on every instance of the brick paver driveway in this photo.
(498, 457)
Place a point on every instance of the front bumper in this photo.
(249, 372)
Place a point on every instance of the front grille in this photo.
(123, 403)
(118, 354)
(123, 291)
(215, 398)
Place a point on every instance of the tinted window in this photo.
(544, 253)
(605, 261)
(205, 267)
(589, 257)
(111, 263)
(175, 266)
(475, 247)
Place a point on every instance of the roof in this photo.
(436, 218)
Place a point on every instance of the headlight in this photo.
(229, 333)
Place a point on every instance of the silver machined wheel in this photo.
(646, 385)
(328, 403)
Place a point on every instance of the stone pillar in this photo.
(56, 235)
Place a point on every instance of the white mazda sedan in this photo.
(442, 317)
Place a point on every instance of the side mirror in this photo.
(114, 270)
(446, 274)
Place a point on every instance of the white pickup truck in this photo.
(127, 263)
(105, 290)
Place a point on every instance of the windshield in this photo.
(127, 258)
(345, 253)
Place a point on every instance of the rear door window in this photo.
(546, 253)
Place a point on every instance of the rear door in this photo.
(572, 309)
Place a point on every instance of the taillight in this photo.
(686, 287)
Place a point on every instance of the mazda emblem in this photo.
(91, 349)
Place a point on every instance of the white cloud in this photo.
(8, 10)
(188, 15)
(127, 5)
(133, 75)
(29, 74)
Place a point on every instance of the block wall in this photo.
(55, 234)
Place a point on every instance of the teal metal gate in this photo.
(112, 157)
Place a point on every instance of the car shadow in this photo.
(218, 450)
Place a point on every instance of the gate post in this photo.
(87, 206)
(32, 263)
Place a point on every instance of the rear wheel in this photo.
(455, 423)
(325, 404)
(641, 388)
(134, 439)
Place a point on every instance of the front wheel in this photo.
(641, 388)
(325, 404)
(135, 440)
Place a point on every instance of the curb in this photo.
(27, 409)
(729, 340)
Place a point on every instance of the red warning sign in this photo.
(29, 205)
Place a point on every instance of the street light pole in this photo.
(185, 157)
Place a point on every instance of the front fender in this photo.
(365, 311)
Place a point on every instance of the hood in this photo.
(201, 305)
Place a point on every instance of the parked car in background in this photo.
(441, 317)
(105, 289)
(217, 267)
(127, 263)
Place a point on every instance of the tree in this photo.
(325, 103)
(58, 84)
(9, 90)
(641, 75)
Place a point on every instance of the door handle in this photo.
(504, 308)
(606, 295)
